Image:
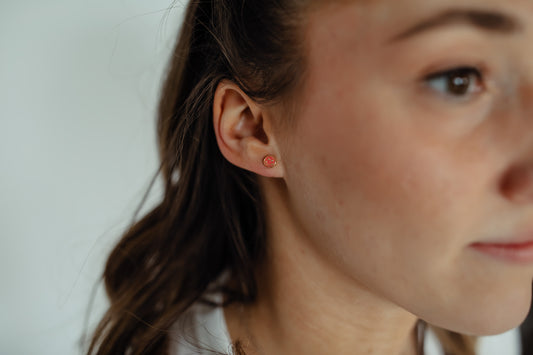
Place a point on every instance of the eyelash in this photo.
(464, 75)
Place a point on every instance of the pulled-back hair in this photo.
(211, 217)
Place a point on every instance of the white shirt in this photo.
(205, 326)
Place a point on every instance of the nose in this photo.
(517, 184)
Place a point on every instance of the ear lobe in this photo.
(242, 132)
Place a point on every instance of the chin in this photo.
(480, 315)
(486, 322)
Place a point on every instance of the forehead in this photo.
(380, 17)
(361, 27)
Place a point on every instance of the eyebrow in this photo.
(482, 19)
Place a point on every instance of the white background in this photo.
(78, 89)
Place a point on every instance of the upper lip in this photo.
(519, 239)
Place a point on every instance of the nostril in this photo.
(517, 184)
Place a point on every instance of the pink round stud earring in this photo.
(270, 161)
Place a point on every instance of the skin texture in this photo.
(384, 181)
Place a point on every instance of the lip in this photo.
(516, 251)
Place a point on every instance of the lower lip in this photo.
(517, 253)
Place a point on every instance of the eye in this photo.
(457, 82)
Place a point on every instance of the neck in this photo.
(306, 305)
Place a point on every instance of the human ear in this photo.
(243, 131)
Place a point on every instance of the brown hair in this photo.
(211, 216)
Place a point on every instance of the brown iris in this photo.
(457, 82)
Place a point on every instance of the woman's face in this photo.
(413, 141)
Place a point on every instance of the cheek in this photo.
(364, 170)
(395, 208)
(392, 201)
